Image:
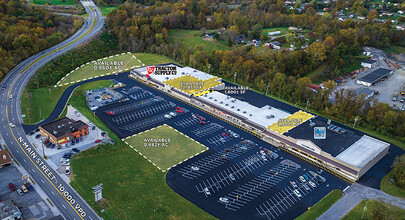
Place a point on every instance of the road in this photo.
(70, 204)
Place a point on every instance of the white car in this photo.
(232, 177)
(297, 193)
(10, 96)
(223, 199)
(262, 152)
(302, 179)
(195, 168)
(11, 125)
(312, 184)
(306, 187)
(264, 157)
(172, 114)
(67, 170)
(167, 116)
(207, 191)
(293, 184)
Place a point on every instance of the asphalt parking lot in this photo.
(255, 185)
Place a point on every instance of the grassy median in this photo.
(321, 206)
(375, 210)
(390, 188)
(133, 187)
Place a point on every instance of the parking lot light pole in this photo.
(355, 120)
(307, 105)
(209, 66)
(234, 77)
(364, 210)
(268, 84)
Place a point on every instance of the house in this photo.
(368, 63)
(276, 45)
(8, 210)
(314, 87)
(5, 159)
(274, 33)
(64, 130)
(400, 28)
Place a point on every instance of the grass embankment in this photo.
(103, 66)
(395, 49)
(47, 97)
(106, 10)
(283, 30)
(321, 206)
(178, 148)
(375, 210)
(191, 38)
(53, 2)
(132, 186)
(390, 188)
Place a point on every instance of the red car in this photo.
(96, 141)
(179, 111)
(228, 150)
(203, 122)
(11, 186)
(178, 108)
(265, 151)
(110, 113)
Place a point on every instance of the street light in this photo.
(355, 120)
(307, 104)
(364, 210)
(268, 85)
(209, 66)
(234, 77)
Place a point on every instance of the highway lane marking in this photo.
(42, 181)
(64, 206)
(53, 193)
(40, 169)
(33, 170)
(25, 160)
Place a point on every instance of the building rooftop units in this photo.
(375, 75)
(264, 116)
(63, 126)
(8, 210)
(362, 151)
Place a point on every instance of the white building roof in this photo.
(264, 116)
(362, 151)
(181, 71)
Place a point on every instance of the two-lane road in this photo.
(70, 204)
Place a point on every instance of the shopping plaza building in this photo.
(344, 152)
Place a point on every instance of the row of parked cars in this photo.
(23, 189)
(305, 181)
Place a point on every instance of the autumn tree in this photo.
(317, 52)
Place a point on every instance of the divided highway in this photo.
(70, 204)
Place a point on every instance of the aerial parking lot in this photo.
(239, 176)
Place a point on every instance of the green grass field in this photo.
(283, 30)
(133, 187)
(390, 188)
(106, 10)
(153, 59)
(95, 70)
(386, 211)
(314, 74)
(321, 206)
(395, 49)
(53, 2)
(179, 148)
(191, 38)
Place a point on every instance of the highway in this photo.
(69, 203)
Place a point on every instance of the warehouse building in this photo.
(373, 77)
(64, 130)
(292, 132)
(369, 63)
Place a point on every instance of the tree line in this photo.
(26, 30)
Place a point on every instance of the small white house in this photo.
(274, 33)
(369, 63)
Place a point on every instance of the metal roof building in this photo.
(373, 77)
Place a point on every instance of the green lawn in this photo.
(39, 103)
(106, 10)
(132, 186)
(395, 49)
(95, 69)
(390, 188)
(53, 2)
(179, 148)
(191, 38)
(315, 74)
(283, 30)
(323, 205)
(385, 211)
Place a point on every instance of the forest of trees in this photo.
(133, 27)
(26, 30)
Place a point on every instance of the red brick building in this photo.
(64, 130)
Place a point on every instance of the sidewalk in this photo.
(353, 196)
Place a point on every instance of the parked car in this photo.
(96, 141)
(306, 177)
(306, 187)
(75, 150)
(178, 107)
(228, 150)
(180, 111)
(394, 98)
(20, 192)
(93, 128)
(172, 114)
(37, 136)
(110, 113)
(232, 177)
(67, 170)
(11, 186)
(265, 151)
(167, 116)
(293, 184)
(24, 189)
(312, 184)
(29, 187)
(264, 158)
(223, 200)
(195, 168)
(52, 146)
(207, 191)
(302, 179)
(203, 122)
(297, 193)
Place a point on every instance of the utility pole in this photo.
(307, 104)
(268, 84)
(364, 210)
(234, 77)
(209, 66)
(355, 120)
